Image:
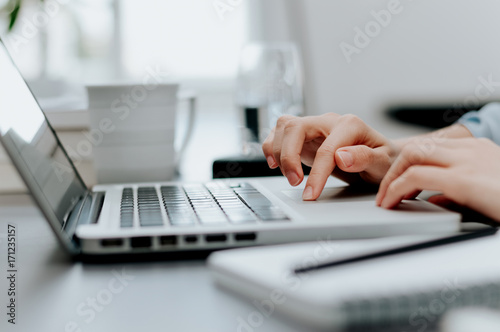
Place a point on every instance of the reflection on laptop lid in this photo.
(36, 151)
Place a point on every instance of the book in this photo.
(410, 291)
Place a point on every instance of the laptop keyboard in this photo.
(198, 204)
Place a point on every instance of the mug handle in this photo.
(190, 97)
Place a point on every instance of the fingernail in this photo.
(346, 158)
(271, 162)
(293, 178)
(308, 194)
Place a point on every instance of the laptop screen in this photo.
(34, 148)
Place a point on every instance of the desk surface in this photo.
(56, 294)
(161, 296)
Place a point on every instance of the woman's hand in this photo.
(342, 145)
(466, 171)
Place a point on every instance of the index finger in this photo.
(296, 133)
(324, 162)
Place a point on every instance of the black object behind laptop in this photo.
(430, 116)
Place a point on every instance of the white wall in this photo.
(432, 51)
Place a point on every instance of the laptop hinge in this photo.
(86, 211)
(91, 215)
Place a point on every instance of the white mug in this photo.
(136, 127)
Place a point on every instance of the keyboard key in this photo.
(127, 208)
(254, 200)
(243, 218)
(170, 188)
(179, 209)
(210, 213)
(183, 220)
(149, 222)
(270, 214)
(235, 202)
(148, 205)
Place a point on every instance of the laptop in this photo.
(172, 216)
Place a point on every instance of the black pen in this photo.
(404, 249)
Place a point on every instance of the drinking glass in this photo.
(269, 85)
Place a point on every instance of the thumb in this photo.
(355, 159)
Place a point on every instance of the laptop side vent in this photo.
(97, 206)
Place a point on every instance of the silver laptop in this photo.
(166, 217)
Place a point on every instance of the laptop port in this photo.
(245, 236)
(168, 240)
(112, 242)
(140, 242)
(190, 239)
(216, 238)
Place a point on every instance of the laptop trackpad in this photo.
(337, 194)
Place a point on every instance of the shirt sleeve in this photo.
(484, 123)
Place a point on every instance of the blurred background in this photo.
(431, 50)
(425, 55)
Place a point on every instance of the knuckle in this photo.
(410, 174)
(266, 146)
(283, 120)
(412, 153)
(331, 116)
(292, 123)
(352, 120)
(315, 176)
(393, 187)
(426, 145)
(355, 124)
(366, 155)
(409, 148)
(287, 160)
(324, 151)
(276, 151)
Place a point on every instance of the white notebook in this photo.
(410, 290)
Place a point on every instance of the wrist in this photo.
(454, 131)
